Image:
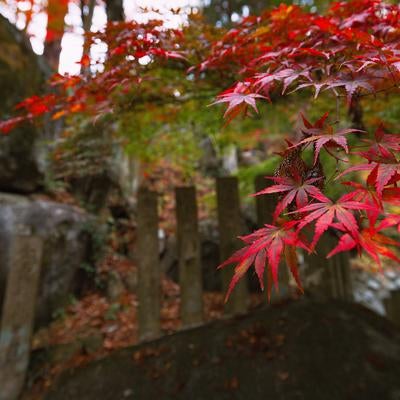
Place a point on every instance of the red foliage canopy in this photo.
(353, 51)
(129, 44)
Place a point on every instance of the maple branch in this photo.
(374, 93)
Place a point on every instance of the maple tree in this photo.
(350, 52)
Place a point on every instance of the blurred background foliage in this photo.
(170, 121)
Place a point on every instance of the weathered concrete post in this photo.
(19, 313)
(265, 207)
(328, 278)
(392, 306)
(265, 204)
(149, 275)
(343, 284)
(190, 276)
(230, 226)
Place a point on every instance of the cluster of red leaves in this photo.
(132, 47)
(31, 107)
(353, 50)
(266, 245)
(359, 216)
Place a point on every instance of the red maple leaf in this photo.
(391, 195)
(371, 241)
(297, 191)
(366, 194)
(384, 143)
(378, 154)
(166, 54)
(287, 76)
(351, 85)
(381, 174)
(318, 86)
(326, 137)
(238, 100)
(325, 24)
(319, 124)
(389, 221)
(85, 61)
(265, 245)
(10, 124)
(328, 213)
(36, 106)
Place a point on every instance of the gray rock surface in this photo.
(67, 245)
(371, 289)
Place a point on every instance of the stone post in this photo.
(18, 313)
(230, 226)
(328, 278)
(265, 207)
(265, 204)
(149, 276)
(190, 276)
(392, 306)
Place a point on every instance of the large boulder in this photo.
(21, 76)
(301, 350)
(67, 247)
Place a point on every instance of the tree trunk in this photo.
(87, 11)
(56, 12)
(115, 10)
(392, 306)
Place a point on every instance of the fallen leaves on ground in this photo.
(94, 318)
